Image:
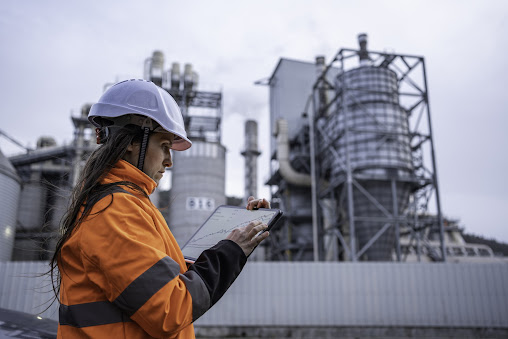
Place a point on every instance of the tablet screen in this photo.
(222, 221)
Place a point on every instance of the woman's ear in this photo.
(131, 154)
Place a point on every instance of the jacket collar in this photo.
(125, 171)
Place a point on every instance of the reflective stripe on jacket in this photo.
(124, 276)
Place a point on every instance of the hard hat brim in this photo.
(115, 111)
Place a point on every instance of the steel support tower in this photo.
(198, 174)
(203, 125)
(363, 196)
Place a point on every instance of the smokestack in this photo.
(157, 67)
(363, 53)
(320, 67)
(175, 76)
(188, 77)
(251, 153)
(320, 63)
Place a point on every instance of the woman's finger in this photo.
(255, 230)
(261, 237)
(252, 225)
(253, 203)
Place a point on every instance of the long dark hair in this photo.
(88, 190)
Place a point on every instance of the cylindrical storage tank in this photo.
(31, 209)
(28, 249)
(369, 84)
(9, 198)
(381, 249)
(32, 205)
(378, 146)
(379, 139)
(296, 237)
(61, 198)
(198, 187)
(59, 206)
(379, 129)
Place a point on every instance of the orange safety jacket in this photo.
(124, 275)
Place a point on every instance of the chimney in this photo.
(363, 53)
(251, 153)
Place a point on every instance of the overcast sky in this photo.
(57, 56)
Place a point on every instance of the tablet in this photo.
(222, 221)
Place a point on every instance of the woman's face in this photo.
(157, 157)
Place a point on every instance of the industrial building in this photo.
(363, 250)
(40, 182)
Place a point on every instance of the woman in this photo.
(121, 272)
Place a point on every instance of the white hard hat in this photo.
(144, 104)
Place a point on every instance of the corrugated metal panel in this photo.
(365, 294)
(9, 196)
(23, 289)
(327, 294)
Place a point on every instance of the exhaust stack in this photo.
(251, 153)
(363, 54)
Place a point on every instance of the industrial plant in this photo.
(353, 168)
(353, 163)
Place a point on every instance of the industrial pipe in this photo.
(287, 172)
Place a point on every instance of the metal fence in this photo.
(326, 294)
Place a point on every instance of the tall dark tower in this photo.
(251, 154)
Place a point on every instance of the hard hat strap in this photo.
(143, 147)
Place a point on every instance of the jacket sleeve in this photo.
(217, 268)
(125, 257)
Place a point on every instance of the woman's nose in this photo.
(168, 161)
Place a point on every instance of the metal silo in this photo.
(32, 205)
(60, 198)
(9, 197)
(31, 211)
(60, 202)
(378, 150)
(198, 187)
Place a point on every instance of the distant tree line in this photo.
(499, 248)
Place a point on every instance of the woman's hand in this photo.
(253, 203)
(246, 237)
